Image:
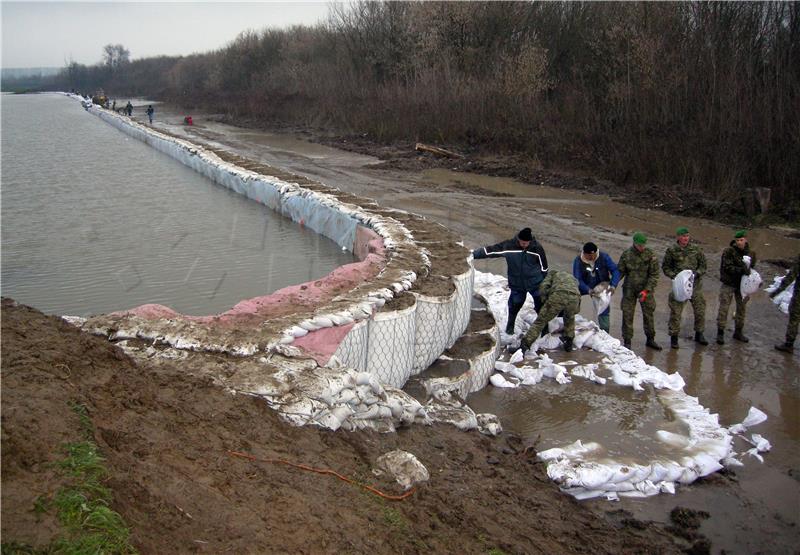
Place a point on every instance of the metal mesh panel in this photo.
(481, 368)
(434, 323)
(352, 351)
(390, 350)
(463, 303)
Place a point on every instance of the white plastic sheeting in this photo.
(576, 467)
(287, 199)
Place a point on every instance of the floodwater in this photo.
(755, 508)
(94, 221)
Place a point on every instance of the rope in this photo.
(324, 471)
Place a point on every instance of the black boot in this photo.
(673, 341)
(720, 336)
(700, 338)
(568, 344)
(739, 336)
(626, 343)
(651, 342)
(787, 347)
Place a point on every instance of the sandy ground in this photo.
(166, 433)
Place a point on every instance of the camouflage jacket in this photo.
(639, 269)
(790, 277)
(678, 258)
(732, 266)
(558, 282)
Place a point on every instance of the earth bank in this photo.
(166, 435)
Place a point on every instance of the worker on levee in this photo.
(560, 295)
(527, 268)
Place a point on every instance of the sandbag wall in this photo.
(406, 333)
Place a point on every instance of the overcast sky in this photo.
(49, 34)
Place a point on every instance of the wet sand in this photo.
(753, 508)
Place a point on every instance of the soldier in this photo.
(559, 292)
(527, 267)
(639, 267)
(593, 269)
(794, 307)
(732, 267)
(686, 255)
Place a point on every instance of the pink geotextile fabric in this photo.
(284, 300)
(322, 343)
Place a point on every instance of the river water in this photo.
(94, 221)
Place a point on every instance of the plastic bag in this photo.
(683, 286)
(601, 298)
(750, 283)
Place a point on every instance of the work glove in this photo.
(773, 294)
(643, 295)
(611, 289)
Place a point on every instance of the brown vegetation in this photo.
(697, 97)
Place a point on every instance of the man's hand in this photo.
(611, 289)
(643, 295)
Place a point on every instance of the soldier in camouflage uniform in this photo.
(794, 307)
(639, 267)
(731, 269)
(686, 255)
(560, 293)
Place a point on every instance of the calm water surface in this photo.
(94, 221)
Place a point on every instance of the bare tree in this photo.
(115, 55)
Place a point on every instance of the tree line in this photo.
(699, 97)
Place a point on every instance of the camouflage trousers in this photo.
(629, 309)
(726, 295)
(557, 302)
(794, 317)
(698, 302)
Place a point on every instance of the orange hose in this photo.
(324, 471)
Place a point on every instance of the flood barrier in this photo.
(357, 328)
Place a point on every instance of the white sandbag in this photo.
(750, 283)
(404, 467)
(601, 301)
(683, 286)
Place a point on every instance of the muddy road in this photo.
(752, 508)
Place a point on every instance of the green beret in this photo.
(682, 231)
(739, 234)
(639, 238)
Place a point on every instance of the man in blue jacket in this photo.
(592, 268)
(527, 268)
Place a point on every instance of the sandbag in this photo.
(683, 286)
(750, 283)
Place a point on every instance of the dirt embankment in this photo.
(166, 435)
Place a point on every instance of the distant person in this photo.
(129, 108)
(594, 271)
(732, 267)
(150, 112)
(114, 106)
(638, 266)
(526, 264)
(686, 255)
(794, 307)
(560, 295)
